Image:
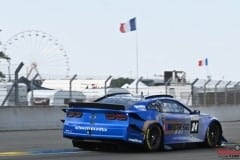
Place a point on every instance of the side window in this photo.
(169, 106)
(155, 106)
(166, 107)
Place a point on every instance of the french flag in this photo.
(128, 26)
(203, 62)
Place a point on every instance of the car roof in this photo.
(146, 99)
(158, 96)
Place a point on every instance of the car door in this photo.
(176, 122)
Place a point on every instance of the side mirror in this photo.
(196, 112)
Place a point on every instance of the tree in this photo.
(117, 83)
(3, 56)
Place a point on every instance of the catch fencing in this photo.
(210, 92)
(195, 93)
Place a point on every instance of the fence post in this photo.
(139, 79)
(70, 87)
(192, 89)
(225, 92)
(31, 88)
(204, 92)
(215, 92)
(105, 84)
(8, 94)
(236, 92)
(16, 83)
(166, 85)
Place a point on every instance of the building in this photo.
(53, 97)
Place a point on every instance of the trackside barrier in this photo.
(46, 117)
(223, 113)
(31, 118)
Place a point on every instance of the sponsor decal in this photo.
(176, 128)
(100, 129)
(230, 151)
(140, 107)
(135, 140)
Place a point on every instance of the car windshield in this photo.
(125, 100)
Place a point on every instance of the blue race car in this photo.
(151, 122)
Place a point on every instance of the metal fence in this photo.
(196, 93)
(215, 93)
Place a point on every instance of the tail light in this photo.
(113, 116)
(121, 117)
(110, 116)
(75, 114)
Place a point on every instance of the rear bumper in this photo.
(102, 133)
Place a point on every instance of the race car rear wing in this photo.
(96, 105)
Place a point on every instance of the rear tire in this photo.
(213, 135)
(153, 138)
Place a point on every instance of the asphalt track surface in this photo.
(49, 145)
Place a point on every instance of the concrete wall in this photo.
(30, 118)
(35, 118)
(223, 113)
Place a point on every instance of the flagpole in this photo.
(208, 74)
(137, 63)
(207, 70)
(131, 25)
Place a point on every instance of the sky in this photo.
(171, 35)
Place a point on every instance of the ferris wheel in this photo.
(40, 52)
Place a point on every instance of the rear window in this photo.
(125, 100)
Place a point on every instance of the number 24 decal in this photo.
(194, 126)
